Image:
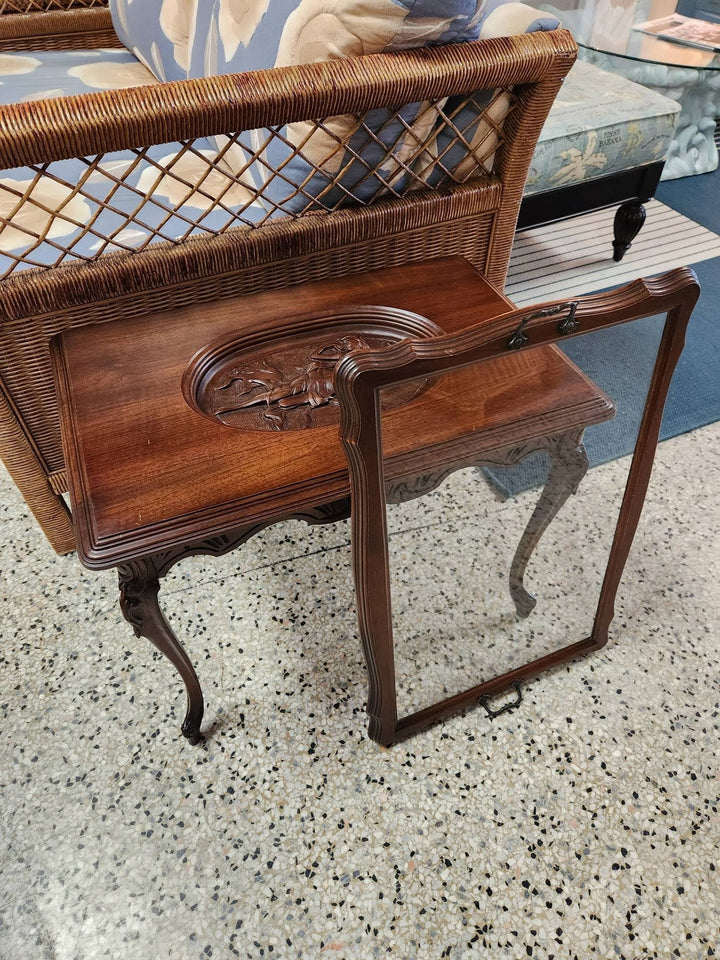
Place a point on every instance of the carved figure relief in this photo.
(283, 380)
(287, 393)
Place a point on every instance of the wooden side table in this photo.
(188, 432)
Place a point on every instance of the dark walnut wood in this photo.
(149, 472)
(139, 582)
(358, 379)
(155, 476)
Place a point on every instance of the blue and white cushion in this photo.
(349, 158)
(46, 74)
(161, 33)
(600, 124)
(262, 34)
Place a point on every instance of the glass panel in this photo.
(521, 428)
(610, 27)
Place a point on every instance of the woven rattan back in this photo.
(47, 6)
(55, 25)
(171, 192)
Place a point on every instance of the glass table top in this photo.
(607, 26)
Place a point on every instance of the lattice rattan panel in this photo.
(82, 208)
(47, 6)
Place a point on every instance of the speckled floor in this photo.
(583, 824)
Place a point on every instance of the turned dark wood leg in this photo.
(139, 587)
(629, 218)
(568, 465)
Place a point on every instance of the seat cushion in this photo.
(600, 124)
(46, 74)
(178, 39)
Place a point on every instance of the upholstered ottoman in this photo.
(604, 142)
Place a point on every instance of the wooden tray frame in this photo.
(359, 379)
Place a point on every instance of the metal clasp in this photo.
(570, 323)
(507, 706)
(519, 338)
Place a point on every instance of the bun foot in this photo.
(628, 220)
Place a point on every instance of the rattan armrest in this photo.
(55, 24)
(43, 131)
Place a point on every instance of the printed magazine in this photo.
(687, 30)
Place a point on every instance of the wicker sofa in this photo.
(471, 210)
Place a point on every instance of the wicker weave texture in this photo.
(82, 28)
(171, 192)
(47, 6)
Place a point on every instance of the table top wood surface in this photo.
(147, 472)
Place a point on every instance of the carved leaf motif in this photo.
(333, 352)
(263, 383)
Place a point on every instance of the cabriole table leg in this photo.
(139, 586)
(139, 580)
(568, 465)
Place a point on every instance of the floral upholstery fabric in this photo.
(233, 36)
(209, 37)
(47, 74)
(178, 39)
(160, 33)
(600, 124)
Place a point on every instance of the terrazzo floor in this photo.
(583, 824)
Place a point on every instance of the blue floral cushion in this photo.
(46, 74)
(350, 157)
(159, 32)
(272, 33)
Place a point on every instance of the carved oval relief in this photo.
(283, 380)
